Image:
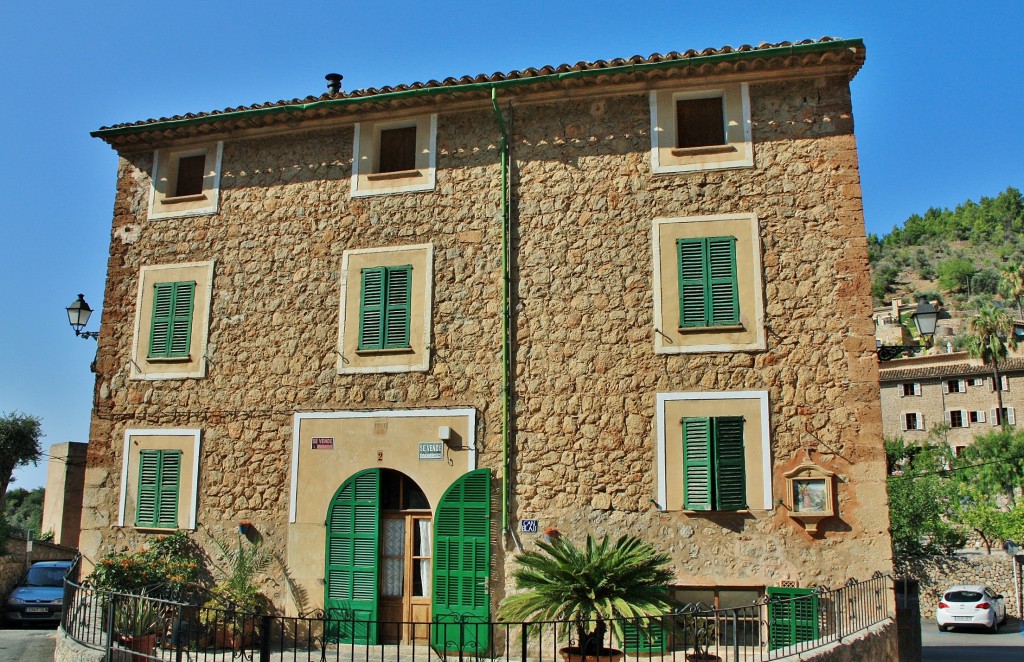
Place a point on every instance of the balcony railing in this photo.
(145, 628)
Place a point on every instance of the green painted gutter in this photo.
(735, 56)
(506, 313)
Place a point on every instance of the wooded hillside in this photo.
(959, 256)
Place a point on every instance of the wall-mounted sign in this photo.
(323, 443)
(528, 526)
(431, 450)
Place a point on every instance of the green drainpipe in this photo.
(506, 313)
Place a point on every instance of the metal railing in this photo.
(139, 627)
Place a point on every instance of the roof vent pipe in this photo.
(333, 83)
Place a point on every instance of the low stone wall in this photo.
(69, 650)
(878, 643)
(936, 575)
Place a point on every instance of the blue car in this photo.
(39, 595)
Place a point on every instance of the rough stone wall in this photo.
(936, 575)
(585, 374)
(587, 378)
(879, 643)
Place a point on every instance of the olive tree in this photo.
(19, 444)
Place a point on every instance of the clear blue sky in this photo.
(936, 109)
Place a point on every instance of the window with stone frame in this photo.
(706, 129)
(957, 418)
(976, 416)
(910, 388)
(189, 174)
(171, 332)
(700, 122)
(999, 415)
(955, 386)
(186, 181)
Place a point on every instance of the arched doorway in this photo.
(379, 549)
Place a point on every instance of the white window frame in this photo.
(660, 165)
(961, 385)
(661, 425)
(979, 414)
(162, 205)
(1011, 416)
(919, 421)
(965, 419)
(126, 454)
(916, 389)
(365, 159)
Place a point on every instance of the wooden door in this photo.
(405, 576)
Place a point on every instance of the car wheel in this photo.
(994, 628)
(943, 628)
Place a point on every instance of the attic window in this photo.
(189, 178)
(397, 149)
(699, 122)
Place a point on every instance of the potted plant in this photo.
(137, 622)
(699, 629)
(592, 589)
(230, 614)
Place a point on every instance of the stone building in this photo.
(950, 390)
(406, 331)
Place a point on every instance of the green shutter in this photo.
(399, 297)
(171, 332)
(792, 616)
(723, 297)
(692, 283)
(730, 486)
(697, 463)
(149, 479)
(371, 309)
(159, 483)
(353, 560)
(170, 480)
(462, 559)
(644, 635)
(708, 287)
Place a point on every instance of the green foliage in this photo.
(19, 444)
(1000, 458)
(590, 586)
(884, 280)
(920, 503)
(136, 616)
(237, 588)
(24, 509)
(954, 274)
(985, 281)
(167, 568)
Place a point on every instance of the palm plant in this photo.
(590, 587)
(990, 340)
(1011, 284)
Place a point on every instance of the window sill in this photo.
(702, 150)
(384, 352)
(168, 359)
(397, 174)
(725, 328)
(183, 198)
(144, 527)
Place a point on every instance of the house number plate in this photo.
(528, 526)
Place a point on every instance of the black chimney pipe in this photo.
(333, 83)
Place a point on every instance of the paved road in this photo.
(957, 646)
(31, 644)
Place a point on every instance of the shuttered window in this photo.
(708, 288)
(462, 559)
(792, 616)
(397, 149)
(353, 560)
(159, 482)
(700, 122)
(385, 304)
(171, 332)
(714, 470)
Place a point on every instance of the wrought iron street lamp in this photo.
(79, 313)
(925, 317)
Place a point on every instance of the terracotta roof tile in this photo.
(948, 370)
(855, 59)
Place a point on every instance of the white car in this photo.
(970, 605)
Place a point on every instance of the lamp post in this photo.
(925, 317)
(79, 313)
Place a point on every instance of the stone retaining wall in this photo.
(936, 575)
(69, 650)
(878, 644)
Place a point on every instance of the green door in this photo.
(792, 616)
(462, 565)
(350, 594)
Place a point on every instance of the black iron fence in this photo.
(140, 627)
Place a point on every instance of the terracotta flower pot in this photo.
(143, 644)
(575, 654)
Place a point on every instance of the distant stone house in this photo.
(405, 331)
(949, 390)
